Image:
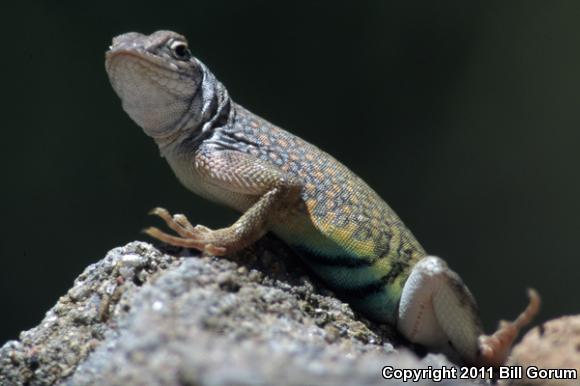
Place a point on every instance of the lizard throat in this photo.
(209, 108)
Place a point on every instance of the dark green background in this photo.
(463, 115)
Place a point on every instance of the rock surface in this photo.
(143, 317)
(555, 345)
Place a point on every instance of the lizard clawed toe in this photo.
(198, 237)
(213, 250)
(179, 223)
(183, 221)
(495, 348)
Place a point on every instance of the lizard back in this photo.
(343, 230)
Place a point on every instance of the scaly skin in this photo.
(342, 229)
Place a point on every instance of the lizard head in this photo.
(157, 79)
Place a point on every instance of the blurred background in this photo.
(464, 116)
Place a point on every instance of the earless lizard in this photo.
(280, 183)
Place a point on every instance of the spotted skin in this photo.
(280, 183)
(346, 233)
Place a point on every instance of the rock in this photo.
(553, 346)
(143, 317)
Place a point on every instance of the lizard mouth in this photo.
(114, 55)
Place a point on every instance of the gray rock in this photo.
(143, 317)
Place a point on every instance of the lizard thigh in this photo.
(438, 311)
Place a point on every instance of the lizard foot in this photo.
(495, 348)
(197, 237)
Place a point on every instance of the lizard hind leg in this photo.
(438, 311)
(495, 348)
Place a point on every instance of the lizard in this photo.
(340, 227)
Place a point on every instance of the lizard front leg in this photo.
(438, 311)
(198, 237)
(242, 175)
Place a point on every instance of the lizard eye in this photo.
(180, 51)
